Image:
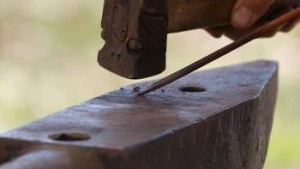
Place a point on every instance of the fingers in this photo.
(247, 12)
(245, 16)
(290, 25)
(216, 32)
(234, 33)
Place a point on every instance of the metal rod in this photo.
(223, 51)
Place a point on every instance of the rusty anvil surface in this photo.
(213, 119)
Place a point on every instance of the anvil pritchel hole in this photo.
(191, 89)
(70, 137)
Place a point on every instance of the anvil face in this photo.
(219, 118)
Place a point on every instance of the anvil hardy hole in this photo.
(192, 89)
(70, 137)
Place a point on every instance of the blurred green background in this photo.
(48, 62)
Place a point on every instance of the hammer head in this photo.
(135, 34)
(135, 31)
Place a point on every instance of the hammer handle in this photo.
(193, 14)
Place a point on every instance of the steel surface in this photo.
(219, 118)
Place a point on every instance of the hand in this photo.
(244, 19)
(247, 12)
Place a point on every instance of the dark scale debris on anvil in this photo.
(214, 119)
(171, 130)
(136, 90)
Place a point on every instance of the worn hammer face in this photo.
(135, 34)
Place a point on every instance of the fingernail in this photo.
(243, 18)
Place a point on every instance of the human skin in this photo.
(244, 18)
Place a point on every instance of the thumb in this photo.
(247, 12)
